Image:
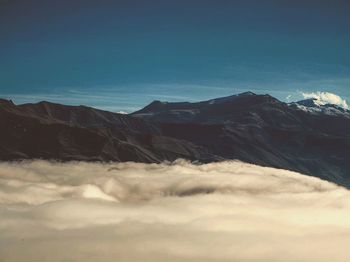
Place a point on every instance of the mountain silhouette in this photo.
(303, 136)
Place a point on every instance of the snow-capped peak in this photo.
(314, 106)
(326, 98)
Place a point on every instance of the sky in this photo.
(121, 55)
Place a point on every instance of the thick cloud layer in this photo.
(227, 211)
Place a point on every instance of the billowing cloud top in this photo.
(227, 211)
(323, 98)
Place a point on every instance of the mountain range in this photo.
(303, 136)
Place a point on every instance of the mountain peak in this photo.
(314, 106)
(231, 97)
(6, 102)
(316, 103)
(311, 102)
(248, 93)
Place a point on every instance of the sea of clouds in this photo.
(228, 211)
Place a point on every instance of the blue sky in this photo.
(121, 55)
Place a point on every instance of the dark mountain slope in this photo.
(51, 131)
(86, 117)
(259, 129)
(262, 130)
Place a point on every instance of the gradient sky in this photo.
(121, 55)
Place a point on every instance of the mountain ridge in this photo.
(253, 128)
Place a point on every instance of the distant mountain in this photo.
(303, 136)
(214, 111)
(313, 106)
(52, 131)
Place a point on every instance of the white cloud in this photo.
(323, 98)
(228, 211)
(122, 112)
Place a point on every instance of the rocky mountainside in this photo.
(305, 137)
(52, 131)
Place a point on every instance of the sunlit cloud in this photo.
(323, 98)
(228, 211)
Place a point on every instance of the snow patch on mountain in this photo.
(323, 103)
(324, 98)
